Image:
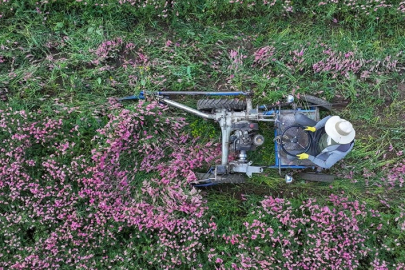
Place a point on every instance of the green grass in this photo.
(198, 63)
(50, 61)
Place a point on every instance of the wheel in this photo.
(229, 104)
(316, 177)
(295, 140)
(316, 101)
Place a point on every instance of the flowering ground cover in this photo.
(90, 183)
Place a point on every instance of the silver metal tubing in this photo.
(187, 109)
(225, 144)
(242, 156)
(260, 118)
(249, 105)
(225, 123)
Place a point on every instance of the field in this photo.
(91, 183)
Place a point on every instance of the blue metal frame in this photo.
(168, 93)
(278, 164)
(205, 185)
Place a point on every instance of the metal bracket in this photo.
(212, 178)
(246, 168)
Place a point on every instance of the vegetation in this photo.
(88, 182)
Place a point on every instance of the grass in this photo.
(66, 41)
(49, 61)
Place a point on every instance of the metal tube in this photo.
(203, 93)
(187, 109)
(225, 123)
(169, 93)
(134, 97)
(249, 105)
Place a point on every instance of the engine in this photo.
(245, 137)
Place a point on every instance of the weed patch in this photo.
(87, 182)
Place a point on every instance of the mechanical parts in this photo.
(238, 121)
